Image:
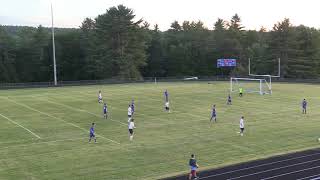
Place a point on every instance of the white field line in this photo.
(260, 165)
(74, 125)
(282, 167)
(14, 122)
(44, 142)
(80, 110)
(293, 172)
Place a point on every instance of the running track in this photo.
(301, 165)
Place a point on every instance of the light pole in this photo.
(53, 50)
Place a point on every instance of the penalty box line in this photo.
(60, 119)
(16, 123)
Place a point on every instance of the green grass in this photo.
(163, 142)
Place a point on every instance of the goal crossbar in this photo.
(261, 89)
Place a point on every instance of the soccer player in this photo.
(100, 97)
(132, 107)
(193, 166)
(213, 114)
(167, 106)
(166, 96)
(105, 111)
(240, 91)
(241, 126)
(304, 106)
(229, 100)
(92, 135)
(129, 113)
(131, 126)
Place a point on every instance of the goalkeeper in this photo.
(240, 92)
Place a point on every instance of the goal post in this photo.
(250, 85)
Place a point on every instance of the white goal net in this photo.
(250, 85)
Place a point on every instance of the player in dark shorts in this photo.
(193, 167)
(241, 92)
(132, 107)
(213, 114)
(304, 106)
(131, 126)
(229, 100)
(92, 134)
(105, 111)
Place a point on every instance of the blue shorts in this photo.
(92, 135)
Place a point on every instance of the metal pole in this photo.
(54, 51)
(249, 67)
(279, 69)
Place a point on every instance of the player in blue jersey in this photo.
(166, 96)
(105, 111)
(229, 100)
(92, 134)
(213, 114)
(304, 106)
(132, 107)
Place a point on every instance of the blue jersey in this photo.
(105, 109)
(304, 104)
(229, 98)
(166, 96)
(132, 106)
(92, 130)
(213, 112)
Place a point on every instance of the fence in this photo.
(144, 80)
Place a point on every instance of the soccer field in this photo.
(44, 131)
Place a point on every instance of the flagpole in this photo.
(53, 50)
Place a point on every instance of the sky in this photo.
(253, 13)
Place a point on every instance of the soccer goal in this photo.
(250, 85)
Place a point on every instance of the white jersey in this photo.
(131, 125)
(241, 123)
(100, 96)
(129, 111)
(167, 104)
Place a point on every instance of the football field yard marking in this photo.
(60, 119)
(14, 122)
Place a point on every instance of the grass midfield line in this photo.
(74, 125)
(12, 121)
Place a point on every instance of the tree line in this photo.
(116, 44)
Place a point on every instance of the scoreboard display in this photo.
(226, 63)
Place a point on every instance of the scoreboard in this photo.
(226, 63)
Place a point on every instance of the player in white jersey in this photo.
(131, 126)
(167, 106)
(129, 113)
(100, 97)
(241, 126)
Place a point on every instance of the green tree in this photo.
(120, 43)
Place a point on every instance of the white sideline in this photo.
(34, 134)
(293, 172)
(74, 125)
(265, 164)
(259, 172)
